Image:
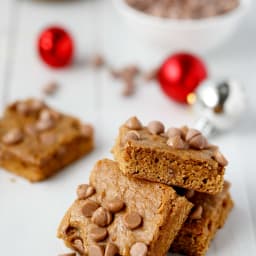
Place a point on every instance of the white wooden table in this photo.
(30, 213)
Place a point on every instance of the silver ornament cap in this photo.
(218, 104)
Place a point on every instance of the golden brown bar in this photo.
(37, 141)
(133, 217)
(208, 215)
(179, 157)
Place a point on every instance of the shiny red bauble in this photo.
(180, 75)
(56, 47)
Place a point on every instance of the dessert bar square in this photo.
(37, 141)
(208, 215)
(121, 215)
(180, 157)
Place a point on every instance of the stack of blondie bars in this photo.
(165, 191)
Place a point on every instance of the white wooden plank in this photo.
(3, 68)
(96, 97)
(77, 94)
(6, 8)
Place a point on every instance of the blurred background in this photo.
(126, 37)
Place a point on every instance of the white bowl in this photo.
(169, 35)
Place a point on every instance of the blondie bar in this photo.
(120, 215)
(37, 141)
(180, 157)
(208, 215)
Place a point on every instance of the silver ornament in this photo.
(219, 105)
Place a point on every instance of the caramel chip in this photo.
(30, 129)
(47, 114)
(176, 142)
(133, 123)
(50, 88)
(23, 108)
(12, 137)
(191, 133)
(129, 72)
(184, 130)
(84, 191)
(102, 217)
(36, 105)
(139, 249)
(128, 89)
(87, 130)
(111, 250)
(48, 138)
(150, 75)
(155, 127)
(115, 205)
(97, 61)
(78, 245)
(89, 208)
(98, 234)
(197, 213)
(132, 135)
(43, 125)
(132, 220)
(198, 142)
(95, 250)
(220, 158)
(172, 132)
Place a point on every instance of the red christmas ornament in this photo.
(56, 47)
(180, 75)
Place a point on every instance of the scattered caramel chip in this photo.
(111, 250)
(87, 130)
(115, 205)
(96, 250)
(197, 213)
(102, 217)
(150, 75)
(115, 73)
(132, 220)
(128, 89)
(50, 88)
(176, 142)
(155, 127)
(89, 208)
(97, 61)
(172, 132)
(220, 158)
(139, 249)
(133, 123)
(84, 191)
(98, 234)
(129, 72)
(12, 137)
(132, 135)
